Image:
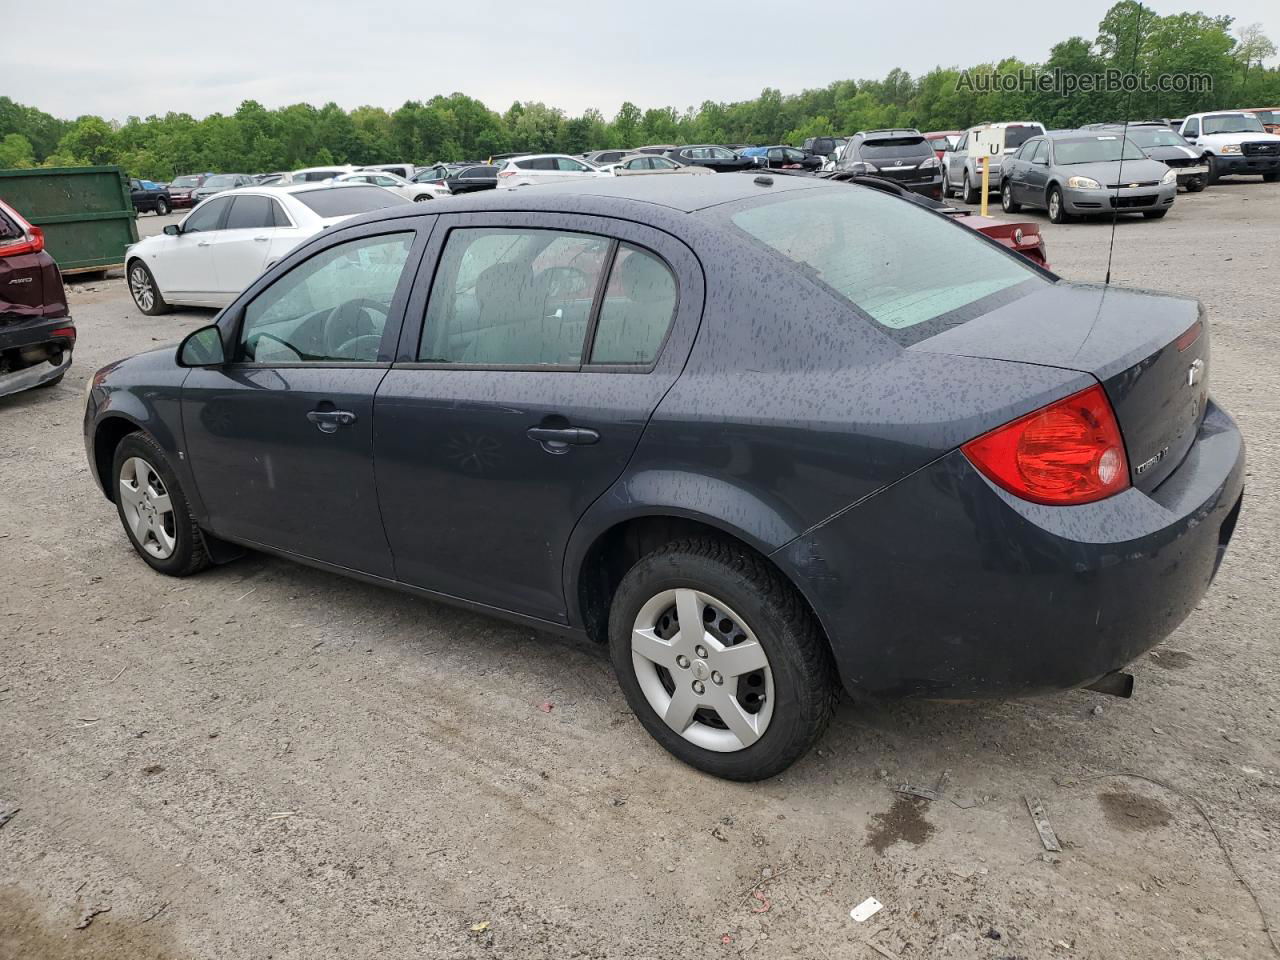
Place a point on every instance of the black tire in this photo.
(946, 187)
(804, 678)
(1007, 203)
(1057, 211)
(1154, 214)
(140, 280)
(1211, 177)
(162, 207)
(1271, 177)
(189, 554)
(423, 197)
(1196, 184)
(51, 383)
(970, 192)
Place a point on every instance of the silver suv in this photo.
(963, 172)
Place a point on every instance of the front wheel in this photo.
(1195, 184)
(946, 187)
(1007, 203)
(1271, 177)
(970, 191)
(1057, 211)
(142, 286)
(1212, 176)
(720, 659)
(154, 510)
(162, 207)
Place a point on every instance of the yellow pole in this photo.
(986, 182)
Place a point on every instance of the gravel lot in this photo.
(267, 761)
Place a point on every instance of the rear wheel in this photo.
(1057, 212)
(1154, 214)
(1007, 203)
(421, 197)
(162, 207)
(720, 659)
(154, 510)
(146, 294)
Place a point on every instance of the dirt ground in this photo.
(270, 762)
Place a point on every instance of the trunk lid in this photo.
(1150, 352)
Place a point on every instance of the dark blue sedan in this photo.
(764, 436)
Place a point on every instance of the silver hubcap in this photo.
(140, 286)
(1053, 205)
(148, 512)
(702, 670)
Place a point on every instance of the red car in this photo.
(181, 187)
(1022, 237)
(941, 139)
(36, 332)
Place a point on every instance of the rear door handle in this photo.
(557, 439)
(204, 243)
(261, 239)
(328, 421)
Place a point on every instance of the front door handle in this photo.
(558, 439)
(328, 421)
(204, 243)
(261, 239)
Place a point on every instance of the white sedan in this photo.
(222, 245)
(417, 192)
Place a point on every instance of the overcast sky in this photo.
(118, 59)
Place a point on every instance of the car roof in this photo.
(538, 156)
(621, 196)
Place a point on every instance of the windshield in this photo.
(1018, 134)
(222, 180)
(1099, 149)
(1233, 123)
(345, 201)
(1155, 137)
(912, 271)
(185, 182)
(897, 147)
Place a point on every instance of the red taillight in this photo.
(1069, 452)
(68, 333)
(32, 241)
(1190, 337)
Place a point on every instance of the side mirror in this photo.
(202, 349)
(172, 229)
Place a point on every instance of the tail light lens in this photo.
(31, 241)
(1069, 452)
(67, 333)
(506, 173)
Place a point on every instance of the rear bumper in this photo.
(35, 375)
(1131, 199)
(945, 586)
(1233, 163)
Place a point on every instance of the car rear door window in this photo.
(249, 212)
(513, 297)
(332, 307)
(207, 216)
(278, 217)
(638, 306)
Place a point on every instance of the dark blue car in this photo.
(764, 436)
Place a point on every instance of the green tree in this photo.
(16, 151)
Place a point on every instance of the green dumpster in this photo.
(86, 213)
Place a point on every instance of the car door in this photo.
(1191, 130)
(184, 266)
(956, 161)
(521, 386)
(280, 438)
(1014, 169)
(1035, 176)
(240, 248)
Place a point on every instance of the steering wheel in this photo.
(341, 330)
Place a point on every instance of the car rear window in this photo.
(1015, 135)
(344, 201)
(908, 269)
(185, 182)
(892, 148)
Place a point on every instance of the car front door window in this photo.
(207, 217)
(330, 308)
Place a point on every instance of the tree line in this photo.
(1130, 37)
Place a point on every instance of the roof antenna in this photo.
(1124, 138)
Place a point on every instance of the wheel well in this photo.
(110, 432)
(617, 549)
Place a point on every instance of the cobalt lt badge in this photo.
(1195, 372)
